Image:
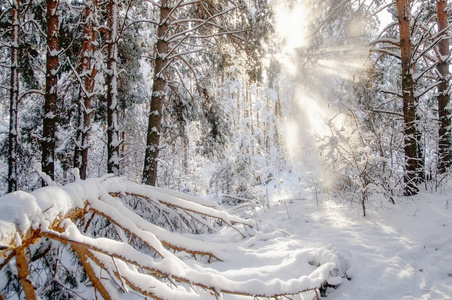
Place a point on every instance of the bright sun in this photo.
(291, 25)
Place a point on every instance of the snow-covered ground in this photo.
(303, 238)
(401, 251)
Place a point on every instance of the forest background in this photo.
(226, 95)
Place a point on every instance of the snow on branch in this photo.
(183, 33)
(395, 54)
(142, 257)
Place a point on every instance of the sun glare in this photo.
(291, 26)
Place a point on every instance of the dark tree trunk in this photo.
(14, 98)
(158, 95)
(84, 106)
(50, 104)
(409, 107)
(113, 137)
(443, 96)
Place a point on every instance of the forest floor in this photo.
(401, 251)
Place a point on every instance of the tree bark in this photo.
(409, 108)
(84, 106)
(14, 98)
(113, 137)
(158, 96)
(50, 103)
(444, 155)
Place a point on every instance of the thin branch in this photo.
(97, 284)
(387, 112)
(388, 52)
(418, 95)
(24, 274)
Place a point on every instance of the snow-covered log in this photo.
(164, 264)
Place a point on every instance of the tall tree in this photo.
(113, 137)
(158, 94)
(51, 96)
(181, 31)
(14, 97)
(444, 156)
(84, 105)
(409, 107)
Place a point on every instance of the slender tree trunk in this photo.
(84, 106)
(409, 109)
(158, 96)
(113, 137)
(14, 98)
(50, 104)
(443, 97)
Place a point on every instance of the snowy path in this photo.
(403, 252)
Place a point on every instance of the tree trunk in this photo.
(50, 104)
(84, 106)
(409, 108)
(113, 138)
(14, 98)
(444, 155)
(158, 96)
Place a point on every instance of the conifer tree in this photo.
(113, 135)
(87, 85)
(444, 156)
(14, 97)
(51, 96)
(409, 101)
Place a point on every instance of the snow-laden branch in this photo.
(81, 85)
(381, 111)
(37, 26)
(391, 41)
(5, 13)
(418, 94)
(153, 22)
(417, 76)
(39, 92)
(184, 53)
(185, 32)
(395, 54)
(395, 93)
(52, 212)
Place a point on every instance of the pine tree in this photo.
(14, 98)
(113, 135)
(87, 85)
(158, 94)
(181, 31)
(51, 96)
(409, 101)
(444, 155)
